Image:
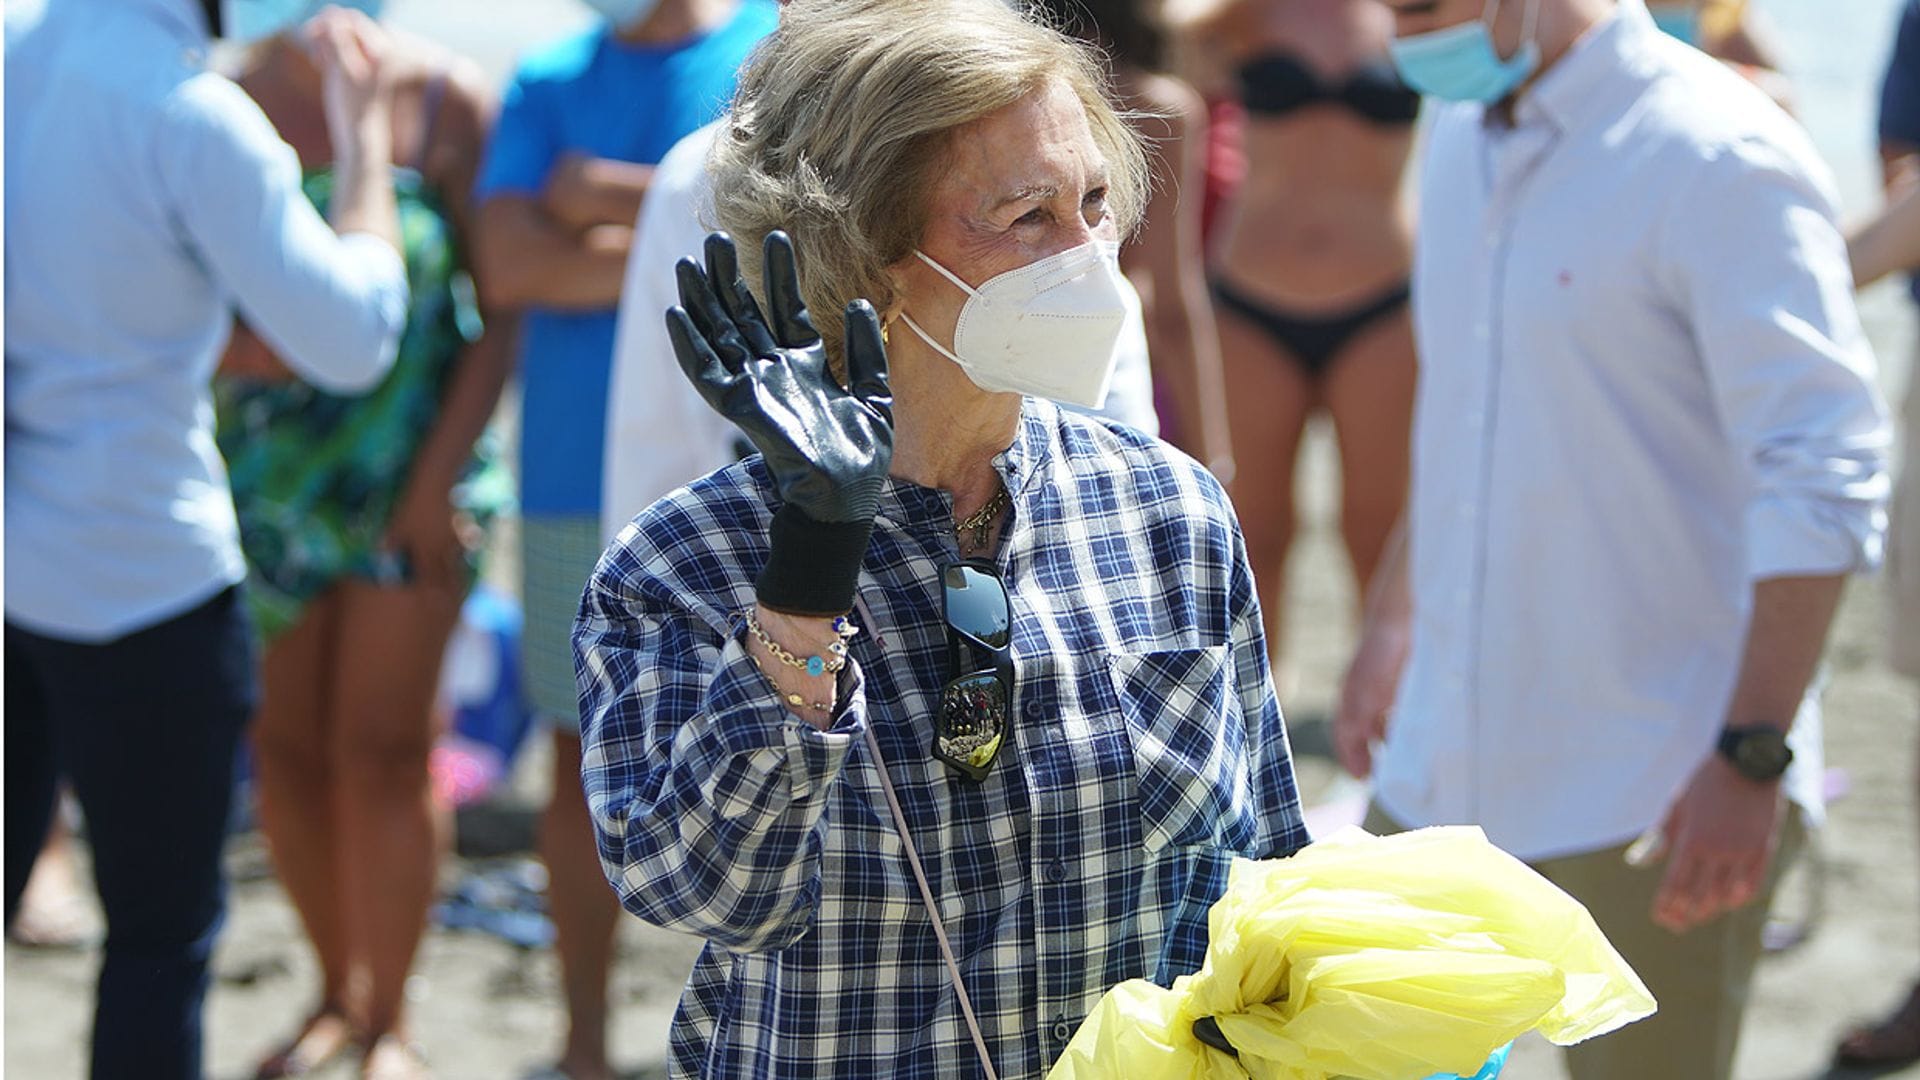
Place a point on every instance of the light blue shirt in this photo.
(1643, 389)
(148, 200)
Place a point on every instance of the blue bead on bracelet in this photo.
(815, 665)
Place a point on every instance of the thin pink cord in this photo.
(926, 897)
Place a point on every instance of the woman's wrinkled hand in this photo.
(828, 447)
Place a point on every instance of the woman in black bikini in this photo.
(1310, 260)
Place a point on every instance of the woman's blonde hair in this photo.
(842, 120)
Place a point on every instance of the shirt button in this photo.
(1466, 510)
(1474, 420)
(1057, 871)
(1493, 239)
(1482, 331)
(1034, 709)
(1062, 1031)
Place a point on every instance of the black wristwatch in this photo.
(1757, 753)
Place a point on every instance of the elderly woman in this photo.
(950, 710)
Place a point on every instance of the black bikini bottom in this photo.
(1313, 340)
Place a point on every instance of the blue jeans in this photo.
(145, 729)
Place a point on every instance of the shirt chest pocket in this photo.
(1189, 744)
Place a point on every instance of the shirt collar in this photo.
(1018, 463)
(908, 503)
(1587, 80)
(185, 20)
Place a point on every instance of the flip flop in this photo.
(401, 1059)
(299, 1058)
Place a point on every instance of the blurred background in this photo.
(486, 999)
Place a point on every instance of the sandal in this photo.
(393, 1057)
(322, 1040)
(1893, 1041)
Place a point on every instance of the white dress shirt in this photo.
(1643, 388)
(660, 434)
(148, 199)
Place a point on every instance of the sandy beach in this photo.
(487, 1010)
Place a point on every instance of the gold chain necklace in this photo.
(980, 523)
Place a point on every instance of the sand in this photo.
(484, 1009)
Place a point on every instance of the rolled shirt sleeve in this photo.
(1790, 367)
(332, 306)
(708, 797)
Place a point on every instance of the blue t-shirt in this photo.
(1900, 94)
(595, 94)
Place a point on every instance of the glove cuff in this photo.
(814, 566)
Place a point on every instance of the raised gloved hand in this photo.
(827, 446)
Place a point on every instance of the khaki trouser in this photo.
(1700, 978)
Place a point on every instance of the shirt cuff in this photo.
(750, 717)
(1792, 538)
(381, 265)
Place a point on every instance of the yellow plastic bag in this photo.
(1376, 958)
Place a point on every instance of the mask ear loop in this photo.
(916, 327)
(1529, 20)
(946, 273)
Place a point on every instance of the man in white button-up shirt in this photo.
(1648, 451)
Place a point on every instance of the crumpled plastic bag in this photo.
(1375, 958)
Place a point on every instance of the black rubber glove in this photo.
(828, 447)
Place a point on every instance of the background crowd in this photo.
(503, 415)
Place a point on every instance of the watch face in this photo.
(1762, 755)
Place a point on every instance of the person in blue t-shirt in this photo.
(580, 128)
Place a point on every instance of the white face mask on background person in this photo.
(244, 22)
(621, 14)
(1046, 329)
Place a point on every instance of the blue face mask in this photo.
(246, 21)
(623, 14)
(1459, 63)
(1682, 22)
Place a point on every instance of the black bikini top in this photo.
(1278, 83)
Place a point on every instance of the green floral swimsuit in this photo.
(316, 475)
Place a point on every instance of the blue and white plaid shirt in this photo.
(1147, 751)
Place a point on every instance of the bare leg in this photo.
(1369, 392)
(1269, 397)
(295, 786)
(57, 909)
(386, 669)
(585, 914)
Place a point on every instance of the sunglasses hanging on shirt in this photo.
(974, 705)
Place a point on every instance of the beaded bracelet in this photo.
(794, 701)
(835, 659)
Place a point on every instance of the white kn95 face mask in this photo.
(1046, 329)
